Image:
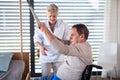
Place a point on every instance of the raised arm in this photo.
(45, 30)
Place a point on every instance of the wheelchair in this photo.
(88, 71)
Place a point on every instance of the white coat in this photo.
(61, 30)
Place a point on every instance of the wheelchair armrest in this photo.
(96, 66)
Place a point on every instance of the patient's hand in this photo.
(42, 27)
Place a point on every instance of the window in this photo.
(10, 26)
(90, 12)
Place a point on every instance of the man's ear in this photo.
(82, 36)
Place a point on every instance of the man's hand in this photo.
(42, 26)
(46, 31)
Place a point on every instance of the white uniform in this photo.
(61, 30)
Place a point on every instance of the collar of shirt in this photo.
(48, 25)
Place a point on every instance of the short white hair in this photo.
(52, 8)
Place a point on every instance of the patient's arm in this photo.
(49, 35)
(67, 42)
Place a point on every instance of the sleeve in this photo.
(37, 36)
(72, 50)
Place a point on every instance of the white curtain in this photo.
(111, 15)
(112, 26)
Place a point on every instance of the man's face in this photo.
(52, 17)
(75, 37)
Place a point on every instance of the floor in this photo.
(98, 78)
(92, 78)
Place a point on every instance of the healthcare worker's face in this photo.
(52, 17)
(75, 37)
